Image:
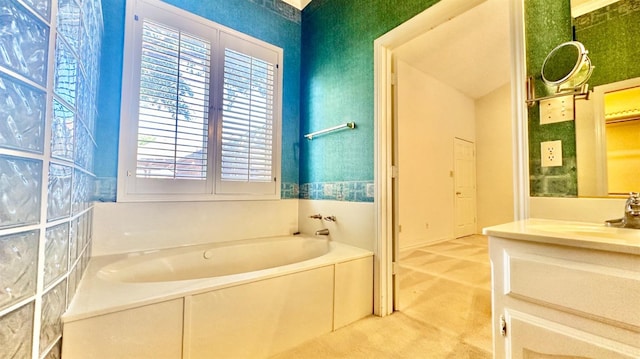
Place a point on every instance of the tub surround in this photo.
(131, 227)
(354, 225)
(223, 315)
(97, 296)
(565, 288)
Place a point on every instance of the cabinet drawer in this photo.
(536, 338)
(594, 291)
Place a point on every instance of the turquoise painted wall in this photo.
(269, 20)
(337, 87)
(612, 37)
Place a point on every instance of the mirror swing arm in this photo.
(581, 93)
(565, 71)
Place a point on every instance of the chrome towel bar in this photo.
(311, 135)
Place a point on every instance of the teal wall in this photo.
(612, 37)
(269, 20)
(337, 87)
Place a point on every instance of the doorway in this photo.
(388, 169)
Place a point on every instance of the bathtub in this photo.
(241, 299)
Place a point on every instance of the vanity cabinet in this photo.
(563, 298)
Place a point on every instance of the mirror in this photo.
(567, 67)
(608, 29)
(608, 140)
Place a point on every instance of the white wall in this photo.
(354, 225)
(430, 114)
(128, 227)
(494, 158)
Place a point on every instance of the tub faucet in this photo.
(322, 232)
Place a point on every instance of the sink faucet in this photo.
(632, 211)
(631, 217)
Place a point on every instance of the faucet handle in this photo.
(316, 216)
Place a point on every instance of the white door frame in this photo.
(437, 14)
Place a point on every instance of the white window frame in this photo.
(132, 188)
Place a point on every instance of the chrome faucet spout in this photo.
(632, 211)
(322, 232)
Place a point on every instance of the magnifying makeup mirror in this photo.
(567, 67)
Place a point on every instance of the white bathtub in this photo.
(243, 299)
(215, 260)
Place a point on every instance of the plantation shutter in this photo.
(248, 116)
(173, 108)
(201, 108)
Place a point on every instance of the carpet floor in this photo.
(444, 311)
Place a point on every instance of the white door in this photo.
(465, 187)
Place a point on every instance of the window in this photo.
(200, 111)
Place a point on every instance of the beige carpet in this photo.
(445, 310)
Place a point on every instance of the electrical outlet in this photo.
(551, 152)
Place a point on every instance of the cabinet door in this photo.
(530, 337)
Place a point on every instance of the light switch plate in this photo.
(551, 152)
(556, 109)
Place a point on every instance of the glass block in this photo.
(42, 7)
(54, 304)
(22, 114)
(72, 286)
(62, 131)
(55, 352)
(25, 50)
(81, 230)
(56, 252)
(83, 147)
(66, 73)
(86, 48)
(83, 99)
(73, 242)
(82, 190)
(16, 330)
(92, 21)
(69, 22)
(20, 185)
(18, 265)
(59, 196)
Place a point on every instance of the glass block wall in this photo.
(49, 51)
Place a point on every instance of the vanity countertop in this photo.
(575, 234)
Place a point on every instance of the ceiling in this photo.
(469, 52)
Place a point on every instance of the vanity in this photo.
(565, 290)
